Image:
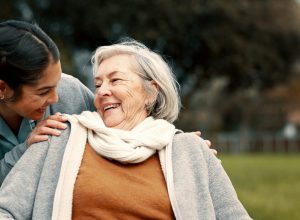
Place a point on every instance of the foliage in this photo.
(251, 44)
(267, 185)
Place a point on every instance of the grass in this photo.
(267, 185)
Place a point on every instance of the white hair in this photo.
(150, 66)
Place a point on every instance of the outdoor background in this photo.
(238, 64)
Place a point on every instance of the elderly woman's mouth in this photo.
(111, 106)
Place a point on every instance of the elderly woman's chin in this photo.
(111, 117)
(112, 121)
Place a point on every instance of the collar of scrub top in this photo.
(26, 127)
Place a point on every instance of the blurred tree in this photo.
(252, 44)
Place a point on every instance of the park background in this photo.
(238, 64)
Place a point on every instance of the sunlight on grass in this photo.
(267, 185)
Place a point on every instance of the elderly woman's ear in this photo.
(152, 89)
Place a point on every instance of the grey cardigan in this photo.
(201, 187)
(74, 97)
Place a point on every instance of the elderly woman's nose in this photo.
(104, 90)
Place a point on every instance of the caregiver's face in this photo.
(120, 97)
(35, 99)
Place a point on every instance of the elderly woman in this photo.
(125, 161)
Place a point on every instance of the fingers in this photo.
(49, 126)
(35, 139)
(41, 133)
(47, 131)
(198, 133)
(215, 152)
(51, 123)
(208, 142)
(57, 117)
(55, 121)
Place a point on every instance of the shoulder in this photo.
(70, 85)
(190, 158)
(67, 79)
(61, 140)
(74, 96)
(47, 150)
(189, 145)
(53, 141)
(190, 141)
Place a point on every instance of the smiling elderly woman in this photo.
(125, 161)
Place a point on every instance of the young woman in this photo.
(32, 90)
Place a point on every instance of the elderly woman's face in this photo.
(120, 97)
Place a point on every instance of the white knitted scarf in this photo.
(125, 146)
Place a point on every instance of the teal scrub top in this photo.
(16, 145)
(8, 140)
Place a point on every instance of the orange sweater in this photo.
(107, 189)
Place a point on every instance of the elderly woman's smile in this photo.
(120, 95)
(110, 106)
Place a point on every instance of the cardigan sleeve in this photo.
(10, 159)
(223, 194)
(28, 190)
(202, 187)
(18, 190)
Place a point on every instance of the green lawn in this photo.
(268, 185)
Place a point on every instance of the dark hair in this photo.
(25, 52)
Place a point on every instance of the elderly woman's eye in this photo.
(116, 80)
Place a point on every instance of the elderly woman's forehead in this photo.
(119, 61)
(117, 67)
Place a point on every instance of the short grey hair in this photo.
(150, 66)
